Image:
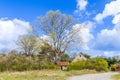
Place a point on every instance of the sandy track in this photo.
(101, 76)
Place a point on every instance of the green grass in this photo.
(42, 75)
(116, 77)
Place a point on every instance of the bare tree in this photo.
(27, 44)
(58, 27)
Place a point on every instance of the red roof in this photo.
(62, 63)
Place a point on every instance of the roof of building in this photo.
(62, 63)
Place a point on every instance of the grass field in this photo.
(116, 77)
(42, 75)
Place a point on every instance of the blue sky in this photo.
(30, 9)
(101, 17)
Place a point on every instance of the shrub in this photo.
(101, 64)
(18, 62)
(113, 67)
(98, 64)
(77, 65)
(51, 66)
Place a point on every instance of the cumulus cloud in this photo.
(90, 25)
(83, 36)
(116, 19)
(81, 4)
(10, 30)
(111, 54)
(111, 9)
(108, 39)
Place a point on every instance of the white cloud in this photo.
(89, 24)
(111, 53)
(83, 37)
(45, 37)
(108, 39)
(10, 30)
(111, 9)
(81, 4)
(116, 19)
(81, 10)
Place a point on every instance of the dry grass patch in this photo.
(42, 75)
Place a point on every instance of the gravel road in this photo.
(101, 76)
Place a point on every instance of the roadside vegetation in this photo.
(97, 64)
(116, 77)
(20, 62)
(42, 75)
(113, 62)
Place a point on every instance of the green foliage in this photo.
(46, 53)
(65, 57)
(116, 77)
(101, 64)
(98, 64)
(19, 62)
(111, 61)
(52, 66)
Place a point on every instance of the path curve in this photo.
(101, 76)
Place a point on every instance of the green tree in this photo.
(65, 57)
(46, 53)
(101, 64)
(111, 60)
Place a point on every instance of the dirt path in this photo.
(101, 76)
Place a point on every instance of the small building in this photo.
(117, 67)
(63, 65)
(79, 57)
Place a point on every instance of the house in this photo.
(63, 65)
(79, 57)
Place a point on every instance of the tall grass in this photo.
(42, 74)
